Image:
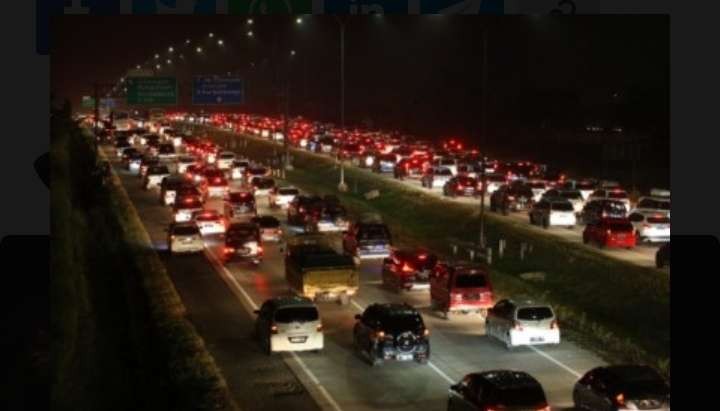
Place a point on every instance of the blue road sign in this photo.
(217, 90)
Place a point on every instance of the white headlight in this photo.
(369, 161)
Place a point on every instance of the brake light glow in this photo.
(608, 232)
(553, 325)
(545, 408)
(380, 335)
(274, 329)
(426, 333)
(229, 250)
(620, 399)
(188, 200)
(422, 256)
(319, 328)
(406, 268)
(517, 326)
(260, 250)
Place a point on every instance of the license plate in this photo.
(404, 357)
(297, 339)
(537, 339)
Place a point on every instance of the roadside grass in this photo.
(618, 309)
(120, 340)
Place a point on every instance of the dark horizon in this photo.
(418, 74)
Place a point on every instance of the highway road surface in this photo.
(220, 300)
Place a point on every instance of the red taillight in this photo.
(620, 399)
(608, 232)
(217, 180)
(517, 326)
(188, 201)
(229, 250)
(302, 209)
(319, 328)
(553, 324)
(274, 329)
(260, 250)
(545, 408)
(407, 269)
(422, 256)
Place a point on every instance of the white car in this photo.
(262, 186)
(184, 238)
(538, 189)
(183, 211)
(651, 226)
(282, 196)
(494, 181)
(522, 323)
(573, 196)
(449, 163)
(155, 175)
(586, 187)
(657, 202)
(166, 152)
(553, 212)
(184, 162)
(209, 222)
(278, 136)
(437, 177)
(289, 324)
(237, 169)
(225, 160)
(611, 194)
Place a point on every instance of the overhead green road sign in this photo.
(88, 102)
(156, 91)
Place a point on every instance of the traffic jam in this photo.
(244, 219)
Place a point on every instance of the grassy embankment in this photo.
(120, 340)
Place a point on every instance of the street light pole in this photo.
(483, 181)
(342, 187)
(286, 126)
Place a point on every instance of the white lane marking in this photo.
(315, 381)
(433, 366)
(556, 362)
(227, 275)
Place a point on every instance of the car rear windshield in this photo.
(518, 396)
(658, 220)
(241, 233)
(617, 194)
(470, 281)
(288, 191)
(536, 184)
(265, 184)
(227, 156)
(159, 170)
(466, 181)
(585, 186)
(186, 159)
(401, 320)
(185, 230)
(267, 222)
(240, 198)
(373, 233)
(571, 195)
(654, 204)
(258, 171)
(562, 207)
(443, 172)
(166, 149)
(620, 227)
(534, 313)
(296, 314)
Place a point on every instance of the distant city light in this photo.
(250, 33)
(298, 20)
(199, 49)
(249, 21)
(220, 42)
(157, 56)
(170, 49)
(211, 35)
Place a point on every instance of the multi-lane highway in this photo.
(220, 300)
(642, 254)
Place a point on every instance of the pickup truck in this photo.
(314, 270)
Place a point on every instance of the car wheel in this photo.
(585, 239)
(546, 223)
(659, 262)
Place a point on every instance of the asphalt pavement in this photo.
(220, 300)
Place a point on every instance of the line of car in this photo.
(314, 270)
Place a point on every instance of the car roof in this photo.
(508, 378)
(184, 224)
(630, 371)
(526, 302)
(387, 307)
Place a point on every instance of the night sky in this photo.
(420, 74)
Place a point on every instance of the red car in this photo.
(410, 167)
(408, 270)
(461, 287)
(610, 232)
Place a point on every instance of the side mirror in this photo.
(358, 317)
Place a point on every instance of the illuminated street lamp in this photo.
(199, 49)
(168, 61)
(211, 35)
(157, 56)
(250, 33)
(292, 52)
(187, 41)
(299, 20)
(137, 67)
(249, 21)
(220, 42)
(170, 49)
(157, 66)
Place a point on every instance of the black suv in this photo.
(517, 197)
(497, 389)
(242, 241)
(391, 331)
